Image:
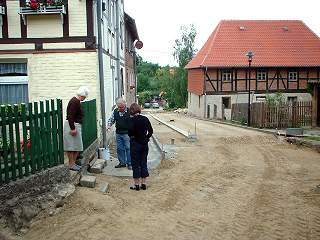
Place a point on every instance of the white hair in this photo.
(83, 92)
(120, 101)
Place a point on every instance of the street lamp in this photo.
(250, 56)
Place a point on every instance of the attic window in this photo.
(242, 28)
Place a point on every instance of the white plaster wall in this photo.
(38, 26)
(77, 18)
(195, 107)
(14, 29)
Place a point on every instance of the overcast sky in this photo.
(159, 21)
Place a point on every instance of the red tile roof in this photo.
(274, 43)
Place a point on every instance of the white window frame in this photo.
(226, 76)
(261, 75)
(293, 76)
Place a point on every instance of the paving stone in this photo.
(88, 181)
(104, 187)
(97, 168)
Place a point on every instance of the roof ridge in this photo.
(212, 41)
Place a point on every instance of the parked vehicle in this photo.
(155, 105)
(147, 105)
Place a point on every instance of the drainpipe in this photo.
(118, 47)
(101, 75)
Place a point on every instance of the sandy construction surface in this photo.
(231, 184)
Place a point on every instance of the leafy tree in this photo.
(171, 81)
(184, 51)
(184, 47)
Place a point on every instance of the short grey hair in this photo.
(83, 91)
(120, 101)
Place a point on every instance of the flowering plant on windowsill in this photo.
(39, 4)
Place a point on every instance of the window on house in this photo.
(226, 102)
(260, 98)
(292, 99)
(293, 76)
(13, 83)
(261, 75)
(199, 101)
(226, 75)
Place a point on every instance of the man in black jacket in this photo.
(120, 116)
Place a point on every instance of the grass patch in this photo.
(314, 138)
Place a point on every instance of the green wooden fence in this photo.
(89, 124)
(31, 138)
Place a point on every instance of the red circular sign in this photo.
(139, 44)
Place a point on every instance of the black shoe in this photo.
(120, 165)
(143, 187)
(136, 187)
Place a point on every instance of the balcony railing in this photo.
(42, 10)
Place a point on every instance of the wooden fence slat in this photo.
(60, 132)
(26, 151)
(37, 136)
(43, 145)
(48, 136)
(12, 167)
(54, 135)
(18, 139)
(4, 145)
(33, 142)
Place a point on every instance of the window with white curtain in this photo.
(13, 83)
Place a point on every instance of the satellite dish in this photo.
(138, 44)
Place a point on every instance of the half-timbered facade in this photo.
(286, 59)
(50, 48)
(131, 36)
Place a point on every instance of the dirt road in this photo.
(231, 184)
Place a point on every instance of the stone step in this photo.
(88, 181)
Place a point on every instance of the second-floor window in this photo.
(293, 76)
(261, 75)
(226, 75)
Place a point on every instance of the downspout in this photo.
(101, 75)
(205, 92)
(135, 76)
(118, 47)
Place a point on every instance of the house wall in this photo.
(195, 81)
(59, 75)
(196, 104)
(277, 80)
(216, 100)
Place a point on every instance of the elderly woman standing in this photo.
(140, 131)
(72, 134)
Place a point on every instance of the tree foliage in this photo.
(172, 81)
